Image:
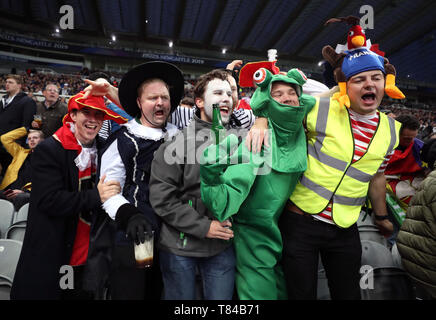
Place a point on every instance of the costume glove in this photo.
(130, 219)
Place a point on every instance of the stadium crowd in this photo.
(34, 82)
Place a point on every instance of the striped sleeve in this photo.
(105, 130)
(243, 118)
(383, 166)
(181, 117)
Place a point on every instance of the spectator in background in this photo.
(65, 89)
(404, 171)
(425, 131)
(50, 111)
(16, 110)
(16, 184)
(187, 102)
(241, 117)
(428, 153)
(392, 115)
(183, 114)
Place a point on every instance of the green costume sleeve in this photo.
(226, 180)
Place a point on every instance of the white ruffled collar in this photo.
(150, 133)
(88, 156)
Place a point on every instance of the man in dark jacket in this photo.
(62, 202)
(51, 111)
(16, 110)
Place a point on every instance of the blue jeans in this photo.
(217, 274)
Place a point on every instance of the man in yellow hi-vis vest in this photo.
(348, 149)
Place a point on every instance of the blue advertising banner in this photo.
(58, 46)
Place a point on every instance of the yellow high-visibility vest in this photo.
(330, 174)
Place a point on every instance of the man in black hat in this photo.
(191, 238)
(149, 93)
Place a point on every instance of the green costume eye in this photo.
(262, 77)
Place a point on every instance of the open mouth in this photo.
(90, 127)
(224, 110)
(369, 98)
(159, 113)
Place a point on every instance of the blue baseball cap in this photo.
(361, 60)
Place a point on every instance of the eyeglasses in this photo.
(52, 90)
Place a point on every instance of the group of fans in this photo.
(249, 212)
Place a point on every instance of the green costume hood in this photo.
(288, 140)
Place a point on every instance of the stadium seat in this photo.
(6, 215)
(21, 214)
(376, 255)
(368, 230)
(9, 254)
(5, 288)
(364, 220)
(389, 284)
(16, 231)
(370, 234)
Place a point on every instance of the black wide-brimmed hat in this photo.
(169, 73)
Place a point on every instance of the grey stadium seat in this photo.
(21, 214)
(9, 254)
(6, 215)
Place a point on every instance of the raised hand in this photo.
(101, 87)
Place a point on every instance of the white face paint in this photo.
(218, 91)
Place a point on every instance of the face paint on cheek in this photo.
(208, 109)
(216, 93)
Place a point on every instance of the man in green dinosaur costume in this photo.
(253, 188)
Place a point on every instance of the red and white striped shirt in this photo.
(364, 127)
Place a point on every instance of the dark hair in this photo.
(234, 74)
(96, 75)
(428, 153)
(408, 122)
(204, 79)
(188, 100)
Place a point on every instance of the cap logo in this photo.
(358, 54)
